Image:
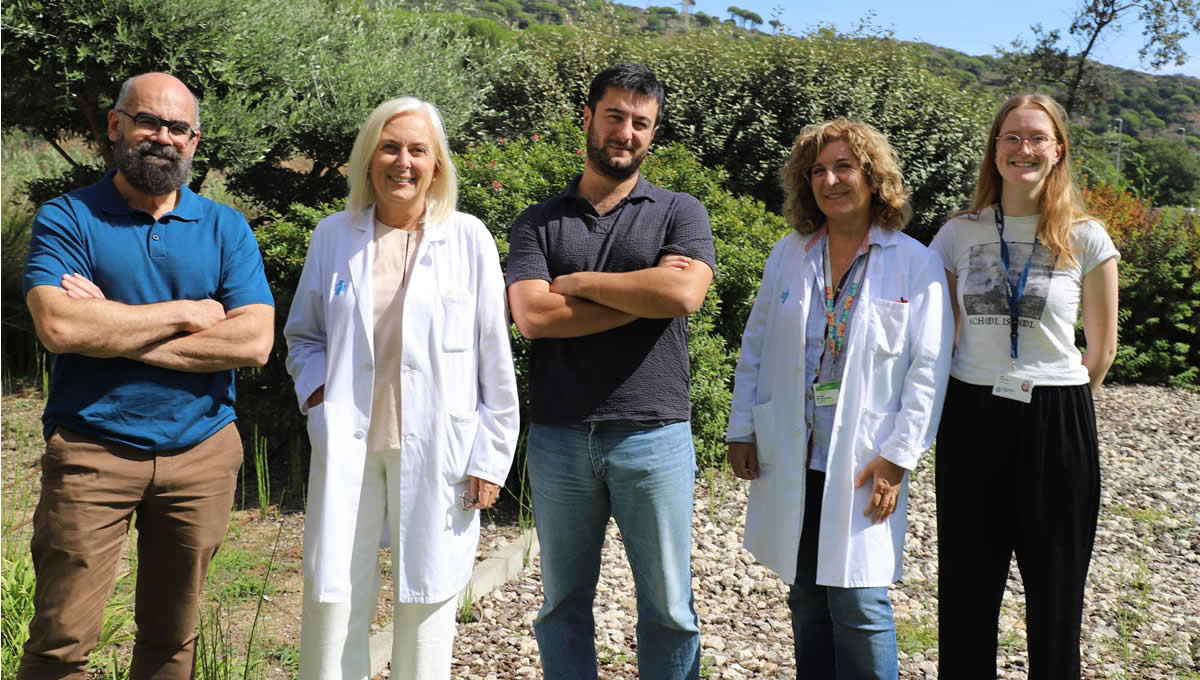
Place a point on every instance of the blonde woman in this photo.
(837, 394)
(399, 348)
(1017, 458)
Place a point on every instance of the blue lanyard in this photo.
(1014, 294)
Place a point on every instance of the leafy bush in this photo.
(738, 101)
(353, 59)
(266, 398)
(276, 80)
(1159, 314)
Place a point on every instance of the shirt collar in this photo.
(876, 236)
(188, 208)
(643, 190)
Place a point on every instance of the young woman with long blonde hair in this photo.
(1018, 466)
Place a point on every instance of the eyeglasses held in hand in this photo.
(180, 131)
(1036, 142)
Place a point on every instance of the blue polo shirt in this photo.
(199, 250)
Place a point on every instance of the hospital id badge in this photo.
(826, 393)
(1015, 387)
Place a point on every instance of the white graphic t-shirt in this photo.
(1046, 352)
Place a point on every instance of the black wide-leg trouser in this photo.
(1014, 478)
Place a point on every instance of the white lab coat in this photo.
(897, 364)
(458, 398)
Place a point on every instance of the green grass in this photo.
(1010, 642)
(916, 636)
(25, 157)
(236, 575)
(216, 658)
(607, 654)
(717, 485)
(285, 655)
(1154, 517)
(16, 608)
(1132, 612)
(466, 612)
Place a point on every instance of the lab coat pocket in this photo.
(765, 435)
(461, 439)
(458, 327)
(889, 326)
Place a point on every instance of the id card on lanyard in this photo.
(826, 393)
(1010, 385)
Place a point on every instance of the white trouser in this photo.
(334, 636)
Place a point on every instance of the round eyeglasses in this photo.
(1036, 142)
(179, 130)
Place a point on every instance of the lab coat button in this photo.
(359, 435)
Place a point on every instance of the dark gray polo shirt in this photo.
(638, 371)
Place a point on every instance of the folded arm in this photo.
(659, 292)
(243, 338)
(541, 313)
(70, 322)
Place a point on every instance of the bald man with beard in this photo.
(149, 296)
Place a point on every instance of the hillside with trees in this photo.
(1140, 130)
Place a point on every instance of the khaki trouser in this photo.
(90, 491)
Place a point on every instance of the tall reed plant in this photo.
(216, 654)
(262, 472)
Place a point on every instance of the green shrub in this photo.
(16, 608)
(283, 86)
(266, 399)
(738, 101)
(1159, 313)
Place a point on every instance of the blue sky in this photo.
(975, 31)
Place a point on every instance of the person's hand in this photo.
(316, 397)
(885, 477)
(80, 287)
(484, 492)
(566, 284)
(676, 262)
(743, 458)
(203, 314)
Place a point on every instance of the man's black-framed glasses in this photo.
(180, 131)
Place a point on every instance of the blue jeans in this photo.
(642, 475)
(839, 633)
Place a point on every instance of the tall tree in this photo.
(1165, 24)
(278, 80)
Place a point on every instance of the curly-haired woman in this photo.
(838, 390)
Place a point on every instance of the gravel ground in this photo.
(1142, 611)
